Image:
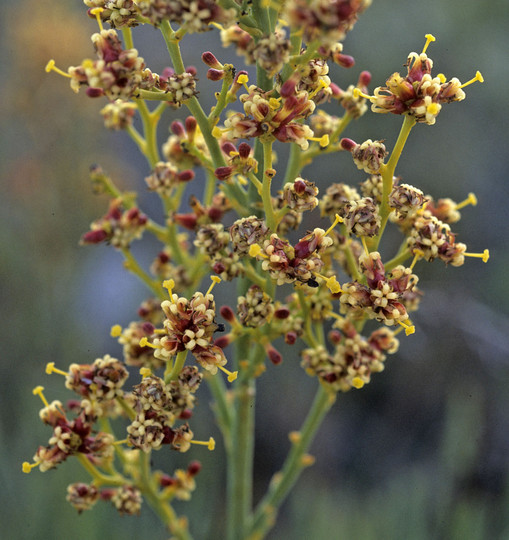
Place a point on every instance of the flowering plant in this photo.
(327, 292)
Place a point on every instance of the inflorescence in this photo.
(292, 285)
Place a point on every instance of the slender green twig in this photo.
(283, 481)
(133, 266)
(387, 172)
(267, 181)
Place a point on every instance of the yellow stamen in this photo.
(50, 368)
(357, 382)
(433, 108)
(169, 284)
(27, 467)
(123, 441)
(409, 328)
(442, 77)
(274, 103)
(471, 199)
(215, 281)
(211, 443)
(37, 391)
(295, 436)
(357, 92)
(307, 460)
(50, 66)
(244, 79)
(242, 180)
(232, 375)
(336, 316)
(116, 330)
(97, 12)
(364, 245)
(429, 39)
(323, 140)
(218, 132)
(256, 251)
(337, 219)
(418, 254)
(145, 372)
(321, 85)
(217, 25)
(478, 77)
(144, 342)
(485, 255)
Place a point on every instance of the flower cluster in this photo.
(418, 94)
(333, 294)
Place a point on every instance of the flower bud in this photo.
(211, 61)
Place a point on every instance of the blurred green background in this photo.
(420, 453)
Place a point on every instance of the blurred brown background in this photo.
(423, 451)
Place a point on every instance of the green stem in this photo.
(132, 265)
(240, 459)
(147, 485)
(284, 480)
(150, 131)
(387, 172)
(126, 407)
(294, 165)
(398, 259)
(180, 360)
(99, 478)
(270, 218)
(221, 406)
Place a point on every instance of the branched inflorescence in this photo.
(328, 292)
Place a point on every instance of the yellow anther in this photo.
(433, 108)
(337, 219)
(233, 153)
(471, 199)
(357, 93)
(442, 77)
(37, 391)
(218, 132)
(255, 250)
(307, 460)
(244, 79)
(145, 372)
(333, 285)
(429, 39)
(295, 436)
(144, 342)
(357, 382)
(418, 254)
(210, 444)
(27, 467)
(485, 255)
(168, 284)
(409, 328)
(116, 330)
(323, 140)
(274, 103)
(50, 368)
(97, 12)
(232, 375)
(50, 66)
(478, 77)
(215, 281)
(242, 180)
